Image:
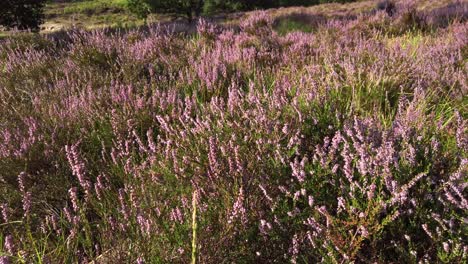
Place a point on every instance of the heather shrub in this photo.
(366, 207)
(297, 22)
(258, 22)
(444, 16)
(407, 16)
(388, 6)
(345, 144)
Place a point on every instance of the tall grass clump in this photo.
(346, 144)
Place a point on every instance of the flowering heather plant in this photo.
(347, 144)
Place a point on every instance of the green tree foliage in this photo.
(21, 14)
(186, 8)
(278, 3)
(193, 8)
(259, 4)
(213, 6)
(139, 7)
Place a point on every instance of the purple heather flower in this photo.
(4, 260)
(5, 212)
(26, 203)
(74, 198)
(9, 245)
(238, 210)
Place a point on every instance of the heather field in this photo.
(286, 138)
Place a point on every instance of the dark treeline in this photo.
(21, 14)
(193, 8)
(255, 4)
(28, 14)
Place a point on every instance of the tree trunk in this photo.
(189, 16)
(199, 7)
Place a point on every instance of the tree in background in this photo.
(139, 7)
(22, 14)
(214, 6)
(245, 5)
(191, 9)
(186, 8)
